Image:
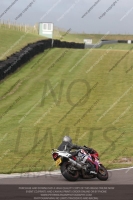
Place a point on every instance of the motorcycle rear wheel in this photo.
(102, 173)
(70, 175)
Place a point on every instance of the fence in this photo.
(19, 27)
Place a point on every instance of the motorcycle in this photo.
(72, 167)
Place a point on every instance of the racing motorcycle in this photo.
(72, 167)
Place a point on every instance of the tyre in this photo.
(102, 173)
(68, 173)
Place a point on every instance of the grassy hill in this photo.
(33, 120)
(68, 36)
(118, 46)
(12, 41)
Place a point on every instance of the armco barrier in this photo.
(16, 60)
(101, 43)
(104, 42)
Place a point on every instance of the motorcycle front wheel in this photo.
(102, 173)
(68, 173)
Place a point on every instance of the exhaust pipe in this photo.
(75, 164)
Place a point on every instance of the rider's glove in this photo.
(90, 150)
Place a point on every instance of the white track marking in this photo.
(128, 168)
(48, 173)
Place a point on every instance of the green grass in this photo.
(25, 118)
(80, 37)
(117, 46)
(37, 117)
(95, 37)
(12, 41)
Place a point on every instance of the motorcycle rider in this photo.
(67, 145)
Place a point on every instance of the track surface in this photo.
(121, 176)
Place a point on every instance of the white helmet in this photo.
(67, 139)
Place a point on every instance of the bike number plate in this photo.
(58, 161)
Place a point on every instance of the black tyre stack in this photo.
(16, 60)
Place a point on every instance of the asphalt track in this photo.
(116, 176)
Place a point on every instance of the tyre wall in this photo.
(16, 60)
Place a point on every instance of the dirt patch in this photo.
(124, 160)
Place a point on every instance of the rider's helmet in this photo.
(67, 139)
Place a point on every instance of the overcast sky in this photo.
(68, 14)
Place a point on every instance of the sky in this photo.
(88, 16)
